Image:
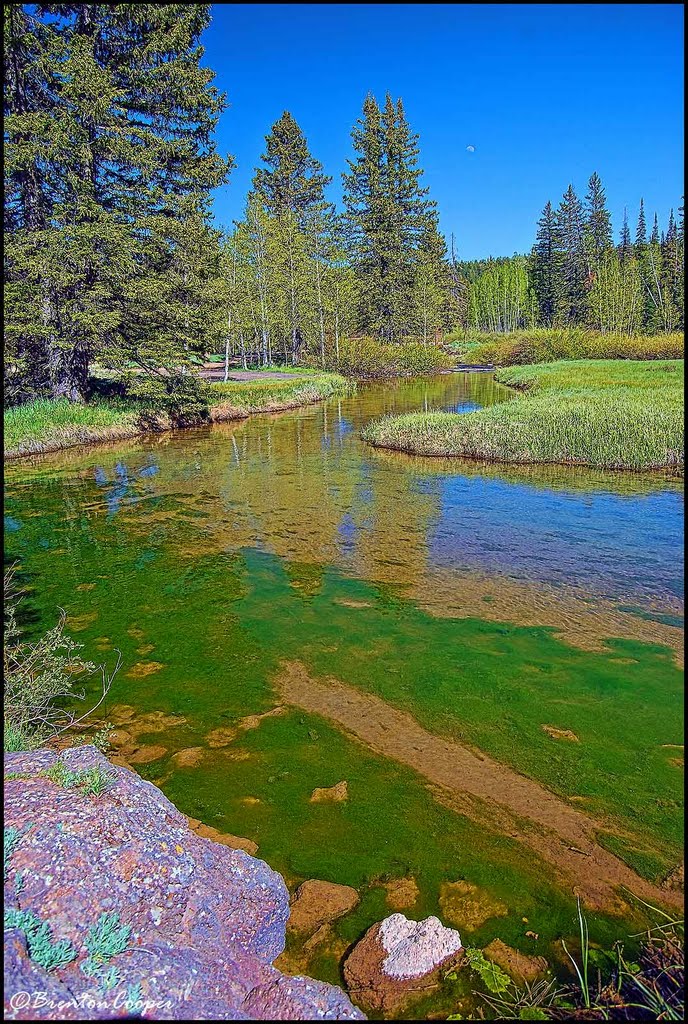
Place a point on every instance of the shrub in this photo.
(368, 358)
(40, 678)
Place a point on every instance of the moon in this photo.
(470, 149)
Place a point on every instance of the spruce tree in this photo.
(641, 229)
(574, 272)
(292, 182)
(126, 119)
(625, 247)
(546, 267)
(598, 228)
(387, 211)
(654, 237)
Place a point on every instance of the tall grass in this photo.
(612, 415)
(544, 344)
(60, 423)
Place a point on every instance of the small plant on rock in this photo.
(105, 939)
(42, 950)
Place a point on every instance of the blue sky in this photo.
(545, 93)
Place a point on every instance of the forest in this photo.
(112, 257)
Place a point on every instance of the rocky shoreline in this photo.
(118, 906)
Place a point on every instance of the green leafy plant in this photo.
(493, 977)
(101, 738)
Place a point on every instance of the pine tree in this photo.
(598, 228)
(574, 272)
(625, 248)
(641, 229)
(654, 237)
(123, 139)
(292, 182)
(546, 267)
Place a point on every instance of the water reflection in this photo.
(302, 485)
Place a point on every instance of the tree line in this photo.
(576, 276)
(111, 256)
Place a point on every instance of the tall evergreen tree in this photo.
(641, 229)
(546, 266)
(387, 213)
(293, 181)
(654, 237)
(122, 138)
(574, 271)
(598, 227)
(625, 246)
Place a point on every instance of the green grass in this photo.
(253, 396)
(53, 424)
(614, 414)
(547, 344)
(56, 423)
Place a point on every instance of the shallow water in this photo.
(484, 601)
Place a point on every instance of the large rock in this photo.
(398, 960)
(205, 921)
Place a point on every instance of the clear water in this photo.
(483, 601)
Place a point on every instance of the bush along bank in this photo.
(547, 344)
(367, 358)
(606, 414)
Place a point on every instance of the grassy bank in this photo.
(51, 425)
(544, 345)
(607, 414)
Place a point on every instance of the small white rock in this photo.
(415, 948)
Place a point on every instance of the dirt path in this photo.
(216, 372)
(473, 784)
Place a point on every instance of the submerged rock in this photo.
(334, 794)
(467, 906)
(152, 920)
(519, 966)
(226, 838)
(316, 903)
(398, 960)
(402, 893)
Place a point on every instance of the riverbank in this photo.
(608, 414)
(53, 425)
